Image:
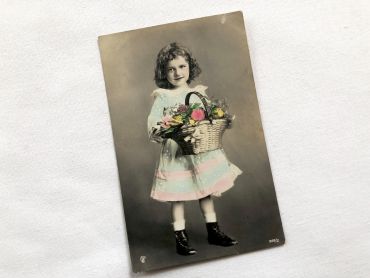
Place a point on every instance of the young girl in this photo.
(179, 178)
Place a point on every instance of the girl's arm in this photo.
(154, 117)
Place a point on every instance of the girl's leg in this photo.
(208, 209)
(215, 236)
(178, 216)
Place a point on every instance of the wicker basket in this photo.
(209, 132)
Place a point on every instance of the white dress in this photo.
(186, 177)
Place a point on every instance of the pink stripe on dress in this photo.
(224, 184)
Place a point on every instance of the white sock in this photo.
(178, 215)
(179, 225)
(210, 217)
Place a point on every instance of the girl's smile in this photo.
(178, 72)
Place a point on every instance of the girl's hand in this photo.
(185, 131)
(155, 135)
(196, 135)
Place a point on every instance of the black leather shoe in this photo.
(216, 237)
(182, 244)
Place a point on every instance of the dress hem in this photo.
(217, 189)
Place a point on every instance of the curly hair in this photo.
(168, 53)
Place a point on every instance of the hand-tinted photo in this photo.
(194, 171)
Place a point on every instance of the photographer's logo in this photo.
(274, 240)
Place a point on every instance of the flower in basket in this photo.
(182, 108)
(166, 121)
(218, 113)
(192, 122)
(177, 120)
(197, 114)
(178, 117)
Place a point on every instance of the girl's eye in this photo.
(183, 66)
(170, 69)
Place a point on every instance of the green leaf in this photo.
(195, 105)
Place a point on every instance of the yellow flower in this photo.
(176, 120)
(191, 122)
(218, 112)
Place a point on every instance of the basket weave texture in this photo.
(207, 133)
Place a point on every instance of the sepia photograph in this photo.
(195, 175)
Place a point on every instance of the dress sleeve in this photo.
(201, 89)
(155, 116)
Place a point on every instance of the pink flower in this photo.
(166, 121)
(198, 114)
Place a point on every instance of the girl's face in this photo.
(178, 72)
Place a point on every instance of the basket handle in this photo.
(204, 101)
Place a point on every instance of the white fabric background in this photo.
(60, 203)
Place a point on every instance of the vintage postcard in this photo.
(194, 170)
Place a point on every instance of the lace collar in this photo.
(176, 92)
